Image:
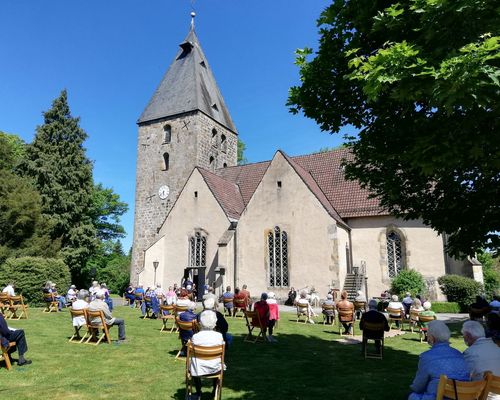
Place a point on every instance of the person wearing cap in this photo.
(375, 317)
(98, 304)
(441, 359)
(71, 295)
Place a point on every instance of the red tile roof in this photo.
(321, 172)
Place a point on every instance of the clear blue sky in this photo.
(110, 55)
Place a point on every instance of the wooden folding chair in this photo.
(422, 319)
(205, 353)
(239, 305)
(51, 303)
(149, 305)
(373, 331)
(414, 318)
(76, 334)
(328, 307)
(167, 314)
(252, 319)
(227, 301)
(96, 321)
(17, 304)
(392, 318)
(455, 390)
(4, 304)
(184, 326)
(346, 316)
(5, 355)
(139, 298)
(303, 310)
(492, 385)
(359, 307)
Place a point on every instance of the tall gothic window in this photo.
(395, 254)
(167, 134)
(277, 256)
(197, 250)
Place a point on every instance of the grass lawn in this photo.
(307, 363)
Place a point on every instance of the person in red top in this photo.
(239, 298)
(262, 309)
(245, 292)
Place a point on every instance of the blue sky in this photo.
(110, 56)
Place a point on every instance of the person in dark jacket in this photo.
(374, 316)
(14, 335)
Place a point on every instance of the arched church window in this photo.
(167, 134)
(214, 137)
(197, 250)
(395, 254)
(223, 143)
(277, 257)
(166, 161)
(211, 163)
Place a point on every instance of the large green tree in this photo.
(420, 80)
(57, 163)
(107, 208)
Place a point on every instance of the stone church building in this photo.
(289, 221)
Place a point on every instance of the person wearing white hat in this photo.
(71, 295)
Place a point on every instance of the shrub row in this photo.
(460, 289)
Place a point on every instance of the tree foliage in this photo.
(408, 280)
(491, 274)
(57, 163)
(460, 289)
(241, 152)
(106, 212)
(420, 79)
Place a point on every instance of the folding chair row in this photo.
(12, 305)
(253, 321)
(475, 390)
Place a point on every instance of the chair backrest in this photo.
(426, 318)
(328, 307)
(48, 297)
(170, 308)
(16, 300)
(228, 300)
(186, 325)
(393, 311)
(179, 309)
(240, 303)
(360, 305)
(206, 352)
(252, 318)
(4, 298)
(492, 385)
(465, 390)
(302, 307)
(414, 315)
(139, 296)
(346, 314)
(76, 313)
(95, 318)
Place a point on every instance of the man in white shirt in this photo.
(71, 295)
(80, 304)
(483, 354)
(205, 337)
(9, 289)
(395, 304)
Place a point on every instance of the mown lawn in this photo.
(307, 363)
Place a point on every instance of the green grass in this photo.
(307, 363)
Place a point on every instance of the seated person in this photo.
(479, 309)
(228, 305)
(407, 302)
(71, 295)
(494, 305)
(239, 298)
(205, 337)
(14, 335)
(183, 298)
(345, 304)
(150, 303)
(61, 301)
(483, 354)
(221, 325)
(98, 304)
(274, 315)
(493, 327)
(417, 306)
(94, 289)
(395, 304)
(9, 289)
(374, 316)
(187, 316)
(303, 301)
(360, 298)
(211, 295)
(262, 309)
(440, 359)
(170, 296)
(329, 314)
(80, 304)
(129, 294)
(107, 298)
(159, 291)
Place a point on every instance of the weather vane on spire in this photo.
(193, 14)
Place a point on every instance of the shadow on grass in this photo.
(308, 367)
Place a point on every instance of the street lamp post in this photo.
(155, 265)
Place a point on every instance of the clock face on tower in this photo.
(163, 192)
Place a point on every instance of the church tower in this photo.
(185, 124)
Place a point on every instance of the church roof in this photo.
(188, 85)
(324, 176)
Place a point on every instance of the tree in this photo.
(421, 81)
(491, 274)
(106, 212)
(241, 150)
(57, 163)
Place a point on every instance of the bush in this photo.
(460, 289)
(408, 280)
(491, 274)
(30, 274)
(445, 307)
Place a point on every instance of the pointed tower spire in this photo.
(188, 85)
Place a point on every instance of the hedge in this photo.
(29, 275)
(460, 289)
(445, 307)
(408, 280)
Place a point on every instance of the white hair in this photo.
(427, 305)
(191, 306)
(209, 303)
(82, 294)
(329, 296)
(474, 329)
(208, 320)
(303, 294)
(271, 295)
(439, 331)
(395, 298)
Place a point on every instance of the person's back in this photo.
(9, 289)
(262, 309)
(187, 316)
(376, 317)
(77, 305)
